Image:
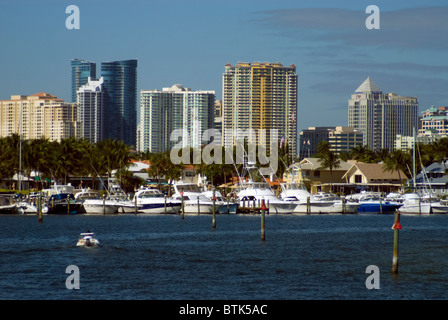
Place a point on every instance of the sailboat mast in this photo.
(413, 157)
(19, 176)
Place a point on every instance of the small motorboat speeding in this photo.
(88, 240)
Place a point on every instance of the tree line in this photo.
(396, 160)
(71, 157)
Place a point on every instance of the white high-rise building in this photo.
(90, 99)
(174, 108)
(381, 116)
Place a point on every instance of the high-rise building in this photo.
(90, 100)
(174, 108)
(260, 96)
(120, 115)
(81, 71)
(37, 116)
(340, 139)
(381, 116)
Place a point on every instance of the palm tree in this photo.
(397, 160)
(363, 153)
(328, 159)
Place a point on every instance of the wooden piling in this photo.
(214, 211)
(39, 207)
(263, 209)
(308, 205)
(182, 208)
(396, 227)
(164, 205)
(104, 204)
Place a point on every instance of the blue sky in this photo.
(190, 41)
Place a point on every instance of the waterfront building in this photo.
(344, 139)
(174, 108)
(82, 70)
(90, 100)
(260, 96)
(381, 116)
(120, 112)
(436, 120)
(37, 116)
(340, 138)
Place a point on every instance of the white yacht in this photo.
(24, 207)
(154, 201)
(194, 201)
(413, 203)
(99, 205)
(320, 203)
(252, 193)
(224, 206)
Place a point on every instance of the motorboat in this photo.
(63, 203)
(153, 200)
(252, 194)
(413, 203)
(224, 206)
(98, 205)
(88, 240)
(85, 194)
(25, 207)
(194, 202)
(370, 202)
(126, 206)
(320, 203)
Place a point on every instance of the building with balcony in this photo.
(37, 116)
(260, 96)
(174, 108)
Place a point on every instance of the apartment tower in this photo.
(37, 116)
(90, 100)
(260, 96)
(174, 108)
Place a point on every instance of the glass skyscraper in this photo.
(120, 84)
(81, 71)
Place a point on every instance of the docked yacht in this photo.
(413, 203)
(98, 205)
(88, 240)
(24, 207)
(223, 205)
(370, 202)
(320, 203)
(253, 193)
(194, 202)
(154, 201)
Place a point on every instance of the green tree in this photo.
(397, 160)
(328, 159)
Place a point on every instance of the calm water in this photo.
(167, 258)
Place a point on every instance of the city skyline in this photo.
(190, 42)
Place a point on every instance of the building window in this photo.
(358, 178)
(317, 174)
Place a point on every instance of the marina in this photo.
(164, 257)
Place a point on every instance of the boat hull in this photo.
(377, 208)
(98, 207)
